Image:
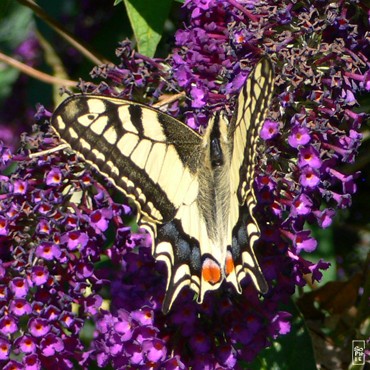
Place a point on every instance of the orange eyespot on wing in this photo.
(211, 271)
(229, 265)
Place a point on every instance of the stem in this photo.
(35, 73)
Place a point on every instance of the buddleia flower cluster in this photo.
(71, 264)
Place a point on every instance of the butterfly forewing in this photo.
(194, 194)
(135, 147)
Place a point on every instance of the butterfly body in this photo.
(194, 193)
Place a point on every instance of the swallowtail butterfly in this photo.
(194, 194)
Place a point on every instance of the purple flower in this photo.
(51, 344)
(39, 327)
(48, 251)
(3, 226)
(4, 349)
(19, 287)
(26, 344)
(54, 177)
(8, 325)
(299, 136)
(309, 156)
(309, 177)
(39, 275)
(75, 240)
(20, 187)
(269, 130)
(100, 219)
(20, 307)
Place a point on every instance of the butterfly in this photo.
(194, 194)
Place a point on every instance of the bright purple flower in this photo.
(325, 217)
(75, 240)
(51, 313)
(54, 177)
(144, 316)
(135, 352)
(92, 304)
(50, 345)
(43, 227)
(4, 349)
(39, 275)
(48, 251)
(155, 350)
(67, 319)
(3, 226)
(301, 205)
(299, 136)
(303, 241)
(309, 177)
(227, 356)
(315, 269)
(26, 344)
(3, 293)
(19, 287)
(269, 130)
(8, 325)
(309, 156)
(281, 322)
(39, 327)
(199, 97)
(20, 307)
(100, 219)
(31, 362)
(20, 187)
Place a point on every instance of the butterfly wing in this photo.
(251, 110)
(148, 155)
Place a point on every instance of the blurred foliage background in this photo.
(326, 317)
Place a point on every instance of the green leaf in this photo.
(147, 20)
(16, 22)
(116, 2)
